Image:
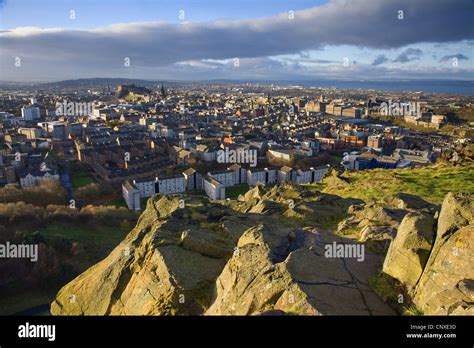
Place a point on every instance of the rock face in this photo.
(372, 221)
(162, 267)
(262, 255)
(447, 283)
(123, 91)
(211, 258)
(379, 220)
(410, 249)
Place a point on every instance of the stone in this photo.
(410, 249)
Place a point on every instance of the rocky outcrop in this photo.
(251, 283)
(407, 201)
(305, 281)
(371, 221)
(122, 91)
(410, 249)
(164, 266)
(209, 258)
(446, 285)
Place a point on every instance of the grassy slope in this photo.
(430, 183)
(80, 178)
(95, 243)
(234, 191)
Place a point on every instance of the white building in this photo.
(310, 176)
(193, 179)
(281, 154)
(30, 113)
(239, 173)
(225, 177)
(263, 176)
(131, 195)
(146, 188)
(204, 153)
(171, 184)
(285, 174)
(34, 178)
(213, 188)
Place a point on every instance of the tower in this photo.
(163, 92)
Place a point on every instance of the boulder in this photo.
(446, 284)
(408, 201)
(410, 249)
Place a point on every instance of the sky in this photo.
(294, 40)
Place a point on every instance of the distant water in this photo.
(432, 86)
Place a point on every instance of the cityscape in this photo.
(237, 161)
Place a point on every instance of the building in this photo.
(145, 187)
(416, 157)
(285, 174)
(131, 194)
(334, 109)
(32, 178)
(310, 175)
(189, 180)
(31, 133)
(261, 176)
(204, 153)
(193, 179)
(56, 129)
(213, 188)
(240, 173)
(313, 106)
(30, 113)
(226, 177)
(7, 174)
(374, 142)
(281, 154)
(351, 112)
(172, 184)
(300, 176)
(370, 161)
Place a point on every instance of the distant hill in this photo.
(96, 82)
(90, 83)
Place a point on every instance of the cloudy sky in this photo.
(52, 40)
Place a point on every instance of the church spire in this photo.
(163, 92)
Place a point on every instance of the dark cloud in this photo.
(408, 55)
(308, 60)
(459, 56)
(370, 23)
(380, 59)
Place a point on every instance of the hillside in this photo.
(267, 250)
(430, 183)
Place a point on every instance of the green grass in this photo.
(234, 191)
(80, 178)
(16, 300)
(384, 286)
(94, 243)
(335, 160)
(430, 183)
(119, 202)
(101, 236)
(411, 310)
